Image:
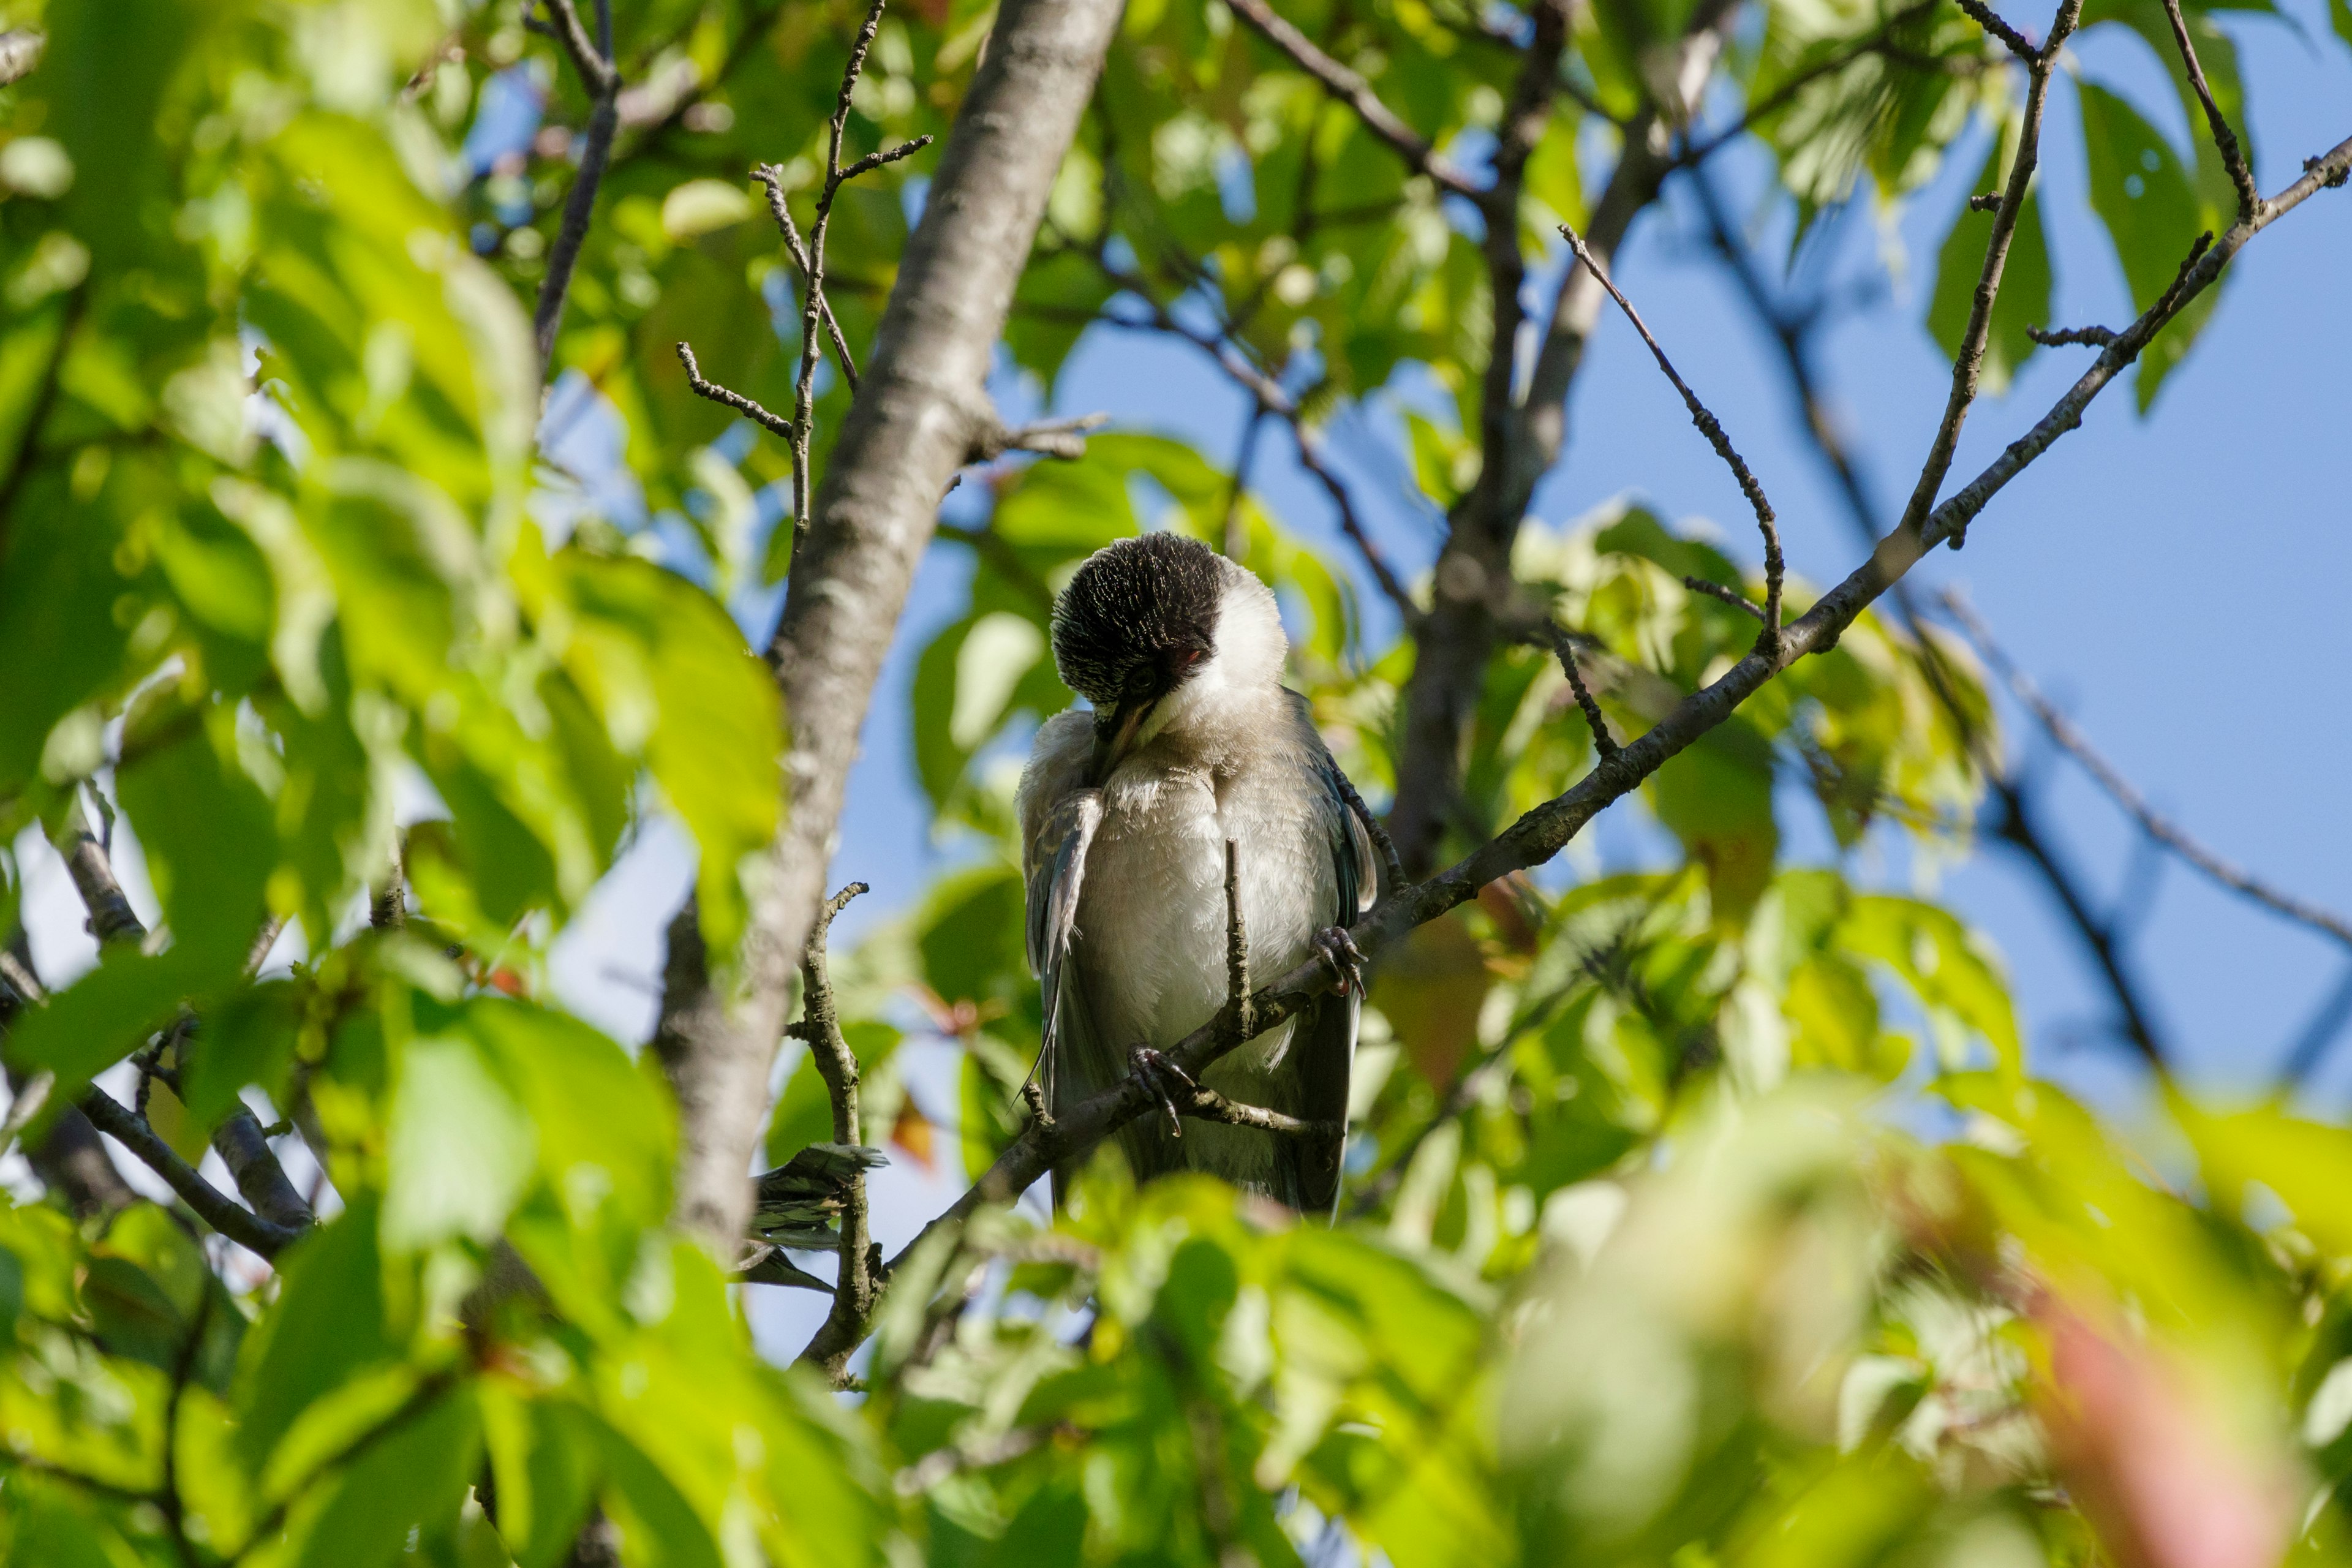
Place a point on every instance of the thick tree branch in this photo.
(1357, 93)
(921, 397)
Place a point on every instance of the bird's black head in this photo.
(1139, 619)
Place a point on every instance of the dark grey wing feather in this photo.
(1323, 1048)
(1057, 870)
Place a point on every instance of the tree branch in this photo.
(601, 79)
(1473, 589)
(1969, 363)
(239, 1140)
(2225, 141)
(1711, 429)
(1357, 93)
(854, 1293)
(215, 1207)
(2017, 825)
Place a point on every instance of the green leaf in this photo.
(459, 1149)
(1942, 962)
(207, 832)
(601, 1125)
(670, 674)
(544, 1457)
(2024, 298)
(408, 1482)
(246, 1038)
(330, 1323)
(2150, 211)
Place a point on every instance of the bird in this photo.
(1189, 740)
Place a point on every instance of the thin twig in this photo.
(1063, 438)
(1237, 953)
(601, 79)
(1731, 597)
(772, 178)
(735, 400)
(1990, 20)
(2093, 337)
(2225, 141)
(1712, 429)
(1357, 93)
(1968, 365)
(1603, 743)
(2120, 790)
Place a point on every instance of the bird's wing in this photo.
(1059, 817)
(1323, 1044)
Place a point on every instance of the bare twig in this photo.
(820, 1028)
(1731, 597)
(773, 179)
(602, 80)
(1048, 437)
(2093, 337)
(1990, 20)
(1712, 429)
(2017, 824)
(1238, 953)
(1969, 363)
(1357, 93)
(1603, 742)
(2119, 789)
(735, 400)
(2225, 141)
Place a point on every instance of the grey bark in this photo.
(921, 400)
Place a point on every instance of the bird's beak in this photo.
(1115, 735)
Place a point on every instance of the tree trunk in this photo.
(921, 401)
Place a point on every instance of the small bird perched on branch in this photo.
(1126, 808)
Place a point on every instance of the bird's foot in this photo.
(1165, 1081)
(1346, 961)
